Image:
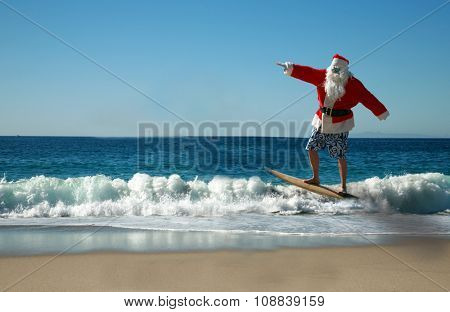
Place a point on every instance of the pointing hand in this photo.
(285, 65)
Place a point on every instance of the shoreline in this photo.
(414, 264)
(30, 240)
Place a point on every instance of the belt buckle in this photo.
(329, 111)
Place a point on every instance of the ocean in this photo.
(82, 194)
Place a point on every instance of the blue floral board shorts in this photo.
(336, 143)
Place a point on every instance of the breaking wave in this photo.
(145, 195)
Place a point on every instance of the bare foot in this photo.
(343, 190)
(313, 180)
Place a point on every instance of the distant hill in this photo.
(368, 134)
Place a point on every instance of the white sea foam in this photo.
(145, 195)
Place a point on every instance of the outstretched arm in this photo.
(305, 73)
(372, 103)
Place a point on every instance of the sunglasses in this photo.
(335, 70)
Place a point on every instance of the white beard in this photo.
(335, 84)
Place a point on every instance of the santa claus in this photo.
(338, 92)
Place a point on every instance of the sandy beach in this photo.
(409, 265)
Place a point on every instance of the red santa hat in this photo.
(337, 56)
(339, 61)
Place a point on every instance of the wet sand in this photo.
(409, 265)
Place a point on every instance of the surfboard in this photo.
(318, 189)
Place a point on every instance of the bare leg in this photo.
(314, 161)
(343, 172)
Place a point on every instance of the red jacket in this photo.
(355, 93)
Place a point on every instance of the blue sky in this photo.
(214, 60)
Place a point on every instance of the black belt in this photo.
(335, 112)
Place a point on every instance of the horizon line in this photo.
(388, 136)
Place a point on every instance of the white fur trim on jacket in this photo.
(384, 115)
(330, 127)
